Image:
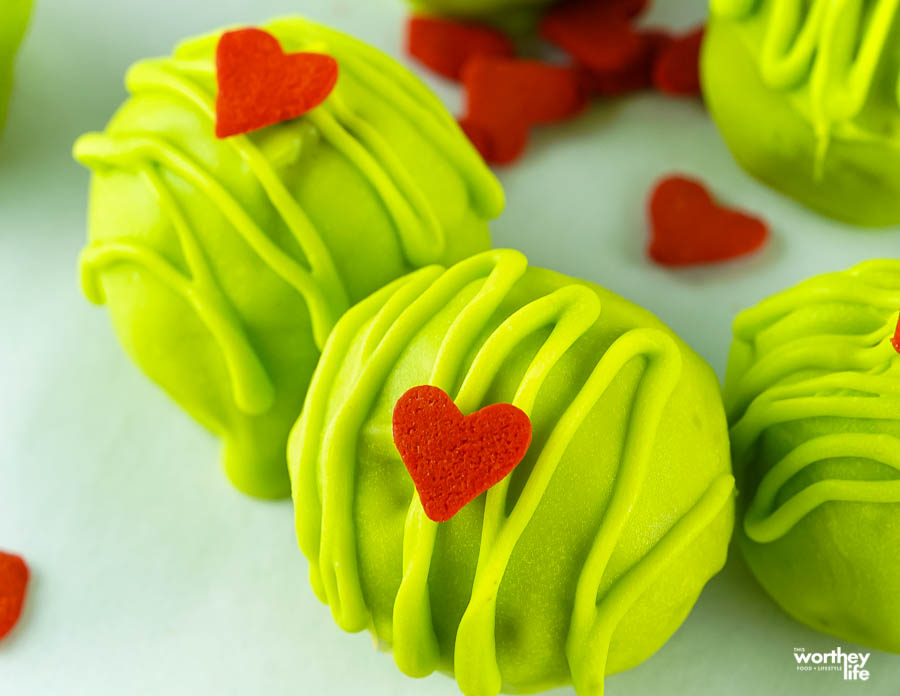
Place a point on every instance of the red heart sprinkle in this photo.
(677, 71)
(636, 75)
(599, 34)
(260, 85)
(13, 580)
(453, 458)
(895, 341)
(445, 46)
(506, 96)
(688, 227)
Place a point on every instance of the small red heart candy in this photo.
(453, 458)
(13, 580)
(688, 227)
(634, 76)
(895, 341)
(599, 34)
(505, 97)
(446, 46)
(260, 85)
(677, 71)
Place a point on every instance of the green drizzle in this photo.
(845, 375)
(828, 56)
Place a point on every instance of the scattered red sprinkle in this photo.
(635, 76)
(599, 34)
(445, 46)
(677, 71)
(13, 580)
(895, 341)
(506, 96)
(688, 227)
(453, 458)
(259, 85)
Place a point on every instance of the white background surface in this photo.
(151, 575)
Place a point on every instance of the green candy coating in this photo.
(590, 554)
(807, 96)
(813, 398)
(13, 21)
(225, 263)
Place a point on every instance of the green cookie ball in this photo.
(590, 554)
(807, 96)
(225, 263)
(13, 20)
(813, 398)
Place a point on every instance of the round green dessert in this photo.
(13, 20)
(813, 398)
(225, 263)
(807, 96)
(590, 554)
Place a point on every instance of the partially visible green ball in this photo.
(813, 398)
(809, 101)
(13, 20)
(590, 554)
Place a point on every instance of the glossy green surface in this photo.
(813, 395)
(225, 263)
(807, 96)
(590, 555)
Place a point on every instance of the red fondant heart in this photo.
(599, 34)
(505, 97)
(633, 76)
(13, 580)
(677, 71)
(688, 227)
(260, 85)
(895, 341)
(446, 46)
(454, 458)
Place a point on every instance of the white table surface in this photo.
(151, 575)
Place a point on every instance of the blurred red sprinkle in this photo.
(13, 580)
(677, 71)
(896, 339)
(599, 34)
(506, 96)
(688, 227)
(446, 46)
(636, 75)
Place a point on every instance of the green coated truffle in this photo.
(807, 96)
(13, 20)
(225, 263)
(813, 398)
(590, 554)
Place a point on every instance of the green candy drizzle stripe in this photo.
(854, 376)
(382, 329)
(767, 522)
(252, 389)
